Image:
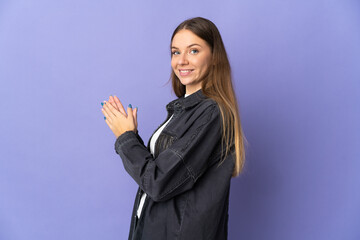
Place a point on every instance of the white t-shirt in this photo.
(152, 150)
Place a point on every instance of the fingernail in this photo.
(102, 104)
(111, 95)
(136, 108)
(104, 118)
(130, 106)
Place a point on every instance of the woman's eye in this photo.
(175, 53)
(194, 51)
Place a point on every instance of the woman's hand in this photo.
(116, 117)
(115, 102)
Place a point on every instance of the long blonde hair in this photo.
(217, 84)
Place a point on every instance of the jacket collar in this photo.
(186, 102)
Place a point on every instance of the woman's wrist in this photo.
(133, 130)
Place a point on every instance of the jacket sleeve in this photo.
(178, 167)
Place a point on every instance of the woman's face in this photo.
(190, 58)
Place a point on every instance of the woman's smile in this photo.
(185, 72)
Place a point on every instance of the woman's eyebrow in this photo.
(191, 45)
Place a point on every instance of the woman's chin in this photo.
(188, 82)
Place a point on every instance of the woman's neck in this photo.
(190, 89)
(188, 93)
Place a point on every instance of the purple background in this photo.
(296, 67)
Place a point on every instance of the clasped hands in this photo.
(116, 117)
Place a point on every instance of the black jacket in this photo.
(187, 192)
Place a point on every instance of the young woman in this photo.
(184, 172)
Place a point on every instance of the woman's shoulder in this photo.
(209, 102)
(207, 110)
(197, 102)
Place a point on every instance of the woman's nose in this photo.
(183, 59)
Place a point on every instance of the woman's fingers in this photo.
(107, 116)
(119, 105)
(108, 123)
(130, 112)
(109, 109)
(135, 111)
(114, 111)
(113, 103)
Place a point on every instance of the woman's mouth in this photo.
(185, 72)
